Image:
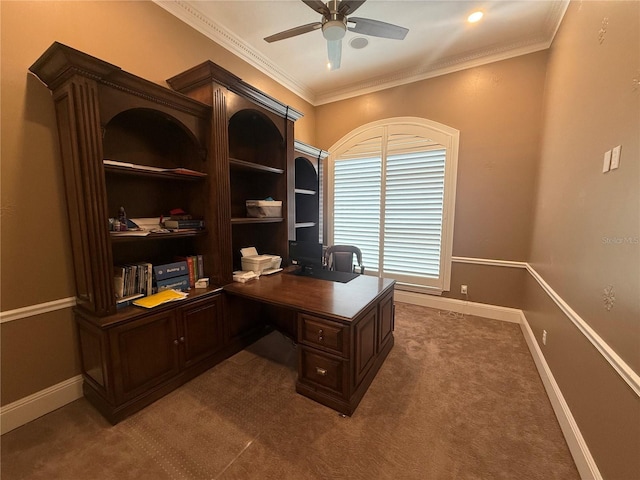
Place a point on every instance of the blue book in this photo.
(175, 283)
(170, 270)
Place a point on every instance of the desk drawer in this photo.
(322, 370)
(324, 334)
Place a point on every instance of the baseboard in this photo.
(580, 452)
(585, 463)
(494, 312)
(26, 409)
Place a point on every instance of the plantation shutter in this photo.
(356, 201)
(392, 190)
(414, 193)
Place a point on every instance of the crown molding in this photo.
(190, 15)
(185, 11)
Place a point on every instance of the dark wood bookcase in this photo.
(239, 149)
(308, 187)
(253, 144)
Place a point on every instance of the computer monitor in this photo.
(307, 255)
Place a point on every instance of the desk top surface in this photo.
(312, 295)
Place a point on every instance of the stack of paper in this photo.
(160, 298)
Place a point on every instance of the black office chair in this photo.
(340, 258)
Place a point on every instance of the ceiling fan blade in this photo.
(334, 48)
(318, 6)
(376, 28)
(292, 32)
(347, 7)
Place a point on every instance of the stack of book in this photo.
(184, 224)
(132, 281)
(195, 268)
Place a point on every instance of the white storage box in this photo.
(264, 208)
(257, 263)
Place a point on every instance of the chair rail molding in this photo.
(37, 309)
(618, 364)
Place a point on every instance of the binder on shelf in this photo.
(174, 283)
(169, 270)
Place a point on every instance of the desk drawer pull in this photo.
(321, 371)
(320, 338)
(320, 332)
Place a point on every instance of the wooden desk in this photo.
(344, 331)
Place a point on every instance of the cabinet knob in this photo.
(175, 342)
(320, 338)
(320, 332)
(181, 339)
(321, 371)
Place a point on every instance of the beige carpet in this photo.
(457, 398)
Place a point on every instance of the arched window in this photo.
(391, 192)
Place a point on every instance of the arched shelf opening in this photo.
(254, 138)
(149, 137)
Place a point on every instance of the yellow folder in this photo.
(160, 298)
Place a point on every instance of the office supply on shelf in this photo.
(202, 283)
(160, 298)
(243, 276)
(251, 261)
(270, 271)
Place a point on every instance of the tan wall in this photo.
(490, 284)
(36, 266)
(605, 408)
(586, 233)
(586, 226)
(497, 109)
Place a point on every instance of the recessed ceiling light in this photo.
(475, 17)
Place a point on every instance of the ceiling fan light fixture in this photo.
(334, 29)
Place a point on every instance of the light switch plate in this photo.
(615, 157)
(606, 164)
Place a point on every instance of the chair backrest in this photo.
(340, 258)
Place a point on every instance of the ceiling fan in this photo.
(335, 23)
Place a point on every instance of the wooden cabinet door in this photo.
(385, 320)
(200, 332)
(145, 354)
(365, 345)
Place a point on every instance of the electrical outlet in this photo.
(544, 337)
(463, 289)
